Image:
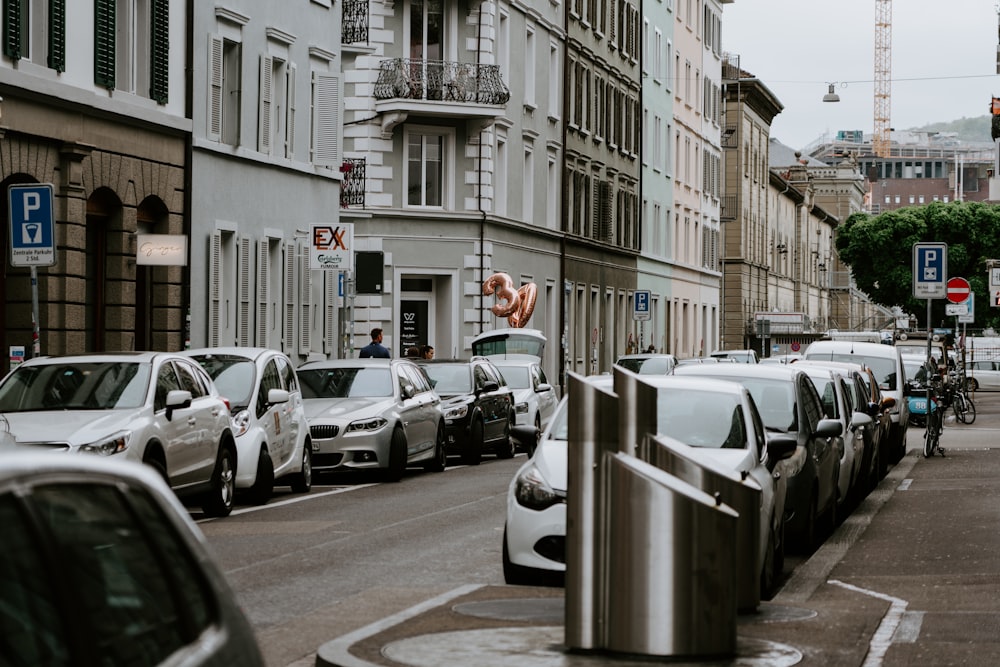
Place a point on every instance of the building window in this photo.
(224, 90)
(529, 68)
(326, 96)
(425, 155)
(276, 107)
(36, 30)
(500, 174)
(528, 176)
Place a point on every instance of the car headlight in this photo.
(241, 422)
(457, 411)
(532, 491)
(113, 445)
(521, 408)
(373, 424)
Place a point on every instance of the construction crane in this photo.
(883, 76)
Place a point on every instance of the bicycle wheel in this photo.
(958, 405)
(932, 433)
(970, 411)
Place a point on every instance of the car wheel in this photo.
(302, 482)
(263, 485)
(440, 460)
(533, 445)
(397, 456)
(156, 463)
(973, 384)
(219, 500)
(506, 446)
(473, 453)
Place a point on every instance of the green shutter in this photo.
(57, 35)
(104, 43)
(12, 29)
(159, 62)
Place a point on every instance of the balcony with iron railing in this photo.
(354, 22)
(352, 187)
(463, 91)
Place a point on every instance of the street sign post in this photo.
(32, 225)
(641, 300)
(958, 290)
(930, 270)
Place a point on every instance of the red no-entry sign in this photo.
(958, 290)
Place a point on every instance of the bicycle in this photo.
(961, 404)
(935, 422)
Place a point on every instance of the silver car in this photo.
(269, 420)
(374, 414)
(101, 565)
(157, 408)
(535, 398)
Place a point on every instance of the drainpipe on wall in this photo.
(479, 182)
(188, 178)
(563, 202)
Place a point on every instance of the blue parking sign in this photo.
(930, 270)
(32, 225)
(641, 305)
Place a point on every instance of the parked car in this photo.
(269, 421)
(157, 408)
(478, 406)
(102, 565)
(983, 374)
(535, 398)
(741, 356)
(688, 412)
(869, 421)
(791, 408)
(781, 359)
(648, 363)
(705, 360)
(886, 362)
(372, 414)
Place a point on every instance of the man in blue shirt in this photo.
(375, 349)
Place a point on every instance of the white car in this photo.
(983, 374)
(269, 420)
(714, 419)
(535, 399)
(157, 408)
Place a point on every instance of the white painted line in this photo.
(291, 501)
(904, 485)
(882, 639)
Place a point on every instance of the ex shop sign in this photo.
(331, 247)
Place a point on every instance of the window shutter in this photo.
(330, 280)
(290, 112)
(263, 291)
(12, 30)
(326, 111)
(214, 287)
(305, 304)
(214, 88)
(159, 61)
(57, 35)
(265, 105)
(243, 317)
(289, 299)
(104, 43)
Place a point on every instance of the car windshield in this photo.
(696, 418)
(346, 382)
(516, 376)
(450, 378)
(883, 367)
(646, 365)
(103, 385)
(775, 399)
(233, 376)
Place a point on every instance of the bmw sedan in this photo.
(269, 421)
(372, 414)
(713, 420)
(792, 409)
(157, 408)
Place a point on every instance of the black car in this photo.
(478, 406)
(791, 408)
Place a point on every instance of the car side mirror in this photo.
(177, 399)
(490, 385)
(407, 391)
(543, 387)
(779, 448)
(829, 428)
(888, 402)
(276, 396)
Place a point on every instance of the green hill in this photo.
(966, 129)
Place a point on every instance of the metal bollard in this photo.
(739, 491)
(593, 433)
(671, 565)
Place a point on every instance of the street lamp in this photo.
(830, 95)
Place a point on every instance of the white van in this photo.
(886, 362)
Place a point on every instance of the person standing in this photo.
(427, 352)
(375, 349)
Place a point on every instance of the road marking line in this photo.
(905, 484)
(882, 639)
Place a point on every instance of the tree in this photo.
(879, 250)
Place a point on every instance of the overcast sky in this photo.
(943, 61)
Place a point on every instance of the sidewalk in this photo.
(912, 576)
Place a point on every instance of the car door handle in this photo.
(192, 421)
